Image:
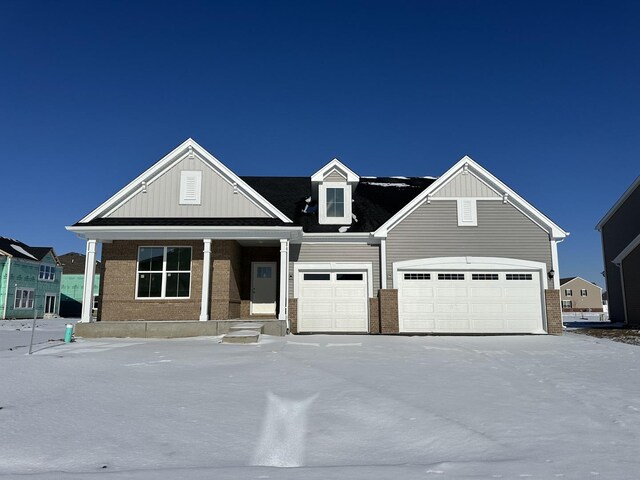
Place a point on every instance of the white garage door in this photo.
(470, 301)
(333, 301)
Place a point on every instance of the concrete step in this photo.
(241, 336)
(256, 326)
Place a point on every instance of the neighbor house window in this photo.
(583, 292)
(566, 303)
(164, 272)
(568, 292)
(47, 273)
(335, 202)
(24, 299)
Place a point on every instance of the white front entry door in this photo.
(263, 288)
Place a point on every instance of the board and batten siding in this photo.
(618, 232)
(465, 185)
(163, 197)
(344, 252)
(432, 231)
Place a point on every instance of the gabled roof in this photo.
(619, 203)
(564, 281)
(17, 249)
(510, 196)
(73, 263)
(335, 164)
(188, 147)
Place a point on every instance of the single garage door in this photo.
(470, 301)
(333, 301)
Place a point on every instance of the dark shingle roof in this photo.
(73, 263)
(18, 249)
(565, 280)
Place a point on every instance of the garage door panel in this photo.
(463, 301)
(315, 292)
(353, 292)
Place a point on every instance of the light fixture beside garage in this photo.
(551, 274)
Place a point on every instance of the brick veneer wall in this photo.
(374, 315)
(388, 310)
(554, 311)
(225, 280)
(118, 282)
(293, 315)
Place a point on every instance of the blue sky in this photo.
(543, 94)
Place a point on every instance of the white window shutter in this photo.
(467, 212)
(190, 187)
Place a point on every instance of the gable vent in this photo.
(190, 187)
(467, 212)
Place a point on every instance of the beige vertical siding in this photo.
(465, 185)
(322, 252)
(162, 197)
(432, 231)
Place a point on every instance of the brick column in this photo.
(293, 315)
(374, 316)
(388, 310)
(554, 311)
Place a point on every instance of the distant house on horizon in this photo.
(29, 280)
(580, 295)
(73, 265)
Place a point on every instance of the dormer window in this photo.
(333, 184)
(335, 202)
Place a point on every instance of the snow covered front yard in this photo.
(329, 407)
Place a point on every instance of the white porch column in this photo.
(383, 264)
(283, 309)
(89, 277)
(206, 280)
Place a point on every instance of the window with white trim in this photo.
(164, 272)
(47, 273)
(583, 292)
(568, 292)
(23, 299)
(567, 304)
(467, 212)
(334, 203)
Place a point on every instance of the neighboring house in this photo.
(71, 287)
(29, 280)
(579, 295)
(190, 240)
(620, 233)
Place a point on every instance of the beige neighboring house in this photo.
(580, 295)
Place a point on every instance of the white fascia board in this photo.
(150, 232)
(576, 278)
(485, 176)
(352, 177)
(338, 238)
(177, 154)
(627, 250)
(618, 204)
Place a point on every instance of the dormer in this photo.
(333, 186)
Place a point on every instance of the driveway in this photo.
(325, 406)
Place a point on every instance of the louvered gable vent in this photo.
(467, 212)
(190, 187)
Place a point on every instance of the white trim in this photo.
(190, 194)
(25, 289)
(89, 279)
(283, 307)
(6, 290)
(206, 279)
(339, 238)
(627, 250)
(584, 280)
(164, 272)
(618, 204)
(490, 180)
(383, 263)
(186, 149)
(351, 176)
(555, 265)
(299, 267)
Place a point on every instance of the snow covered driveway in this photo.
(333, 407)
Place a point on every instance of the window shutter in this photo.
(190, 187)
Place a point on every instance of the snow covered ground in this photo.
(329, 407)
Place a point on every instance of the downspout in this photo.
(6, 290)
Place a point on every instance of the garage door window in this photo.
(519, 276)
(451, 276)
(349, 276)
(417, 276)
(317, 276)
(484, 276)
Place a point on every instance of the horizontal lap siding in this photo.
(432, 231)
(351, 253)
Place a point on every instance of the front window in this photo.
(164, 272)
(47, 273)
(583, 292)
(335, 202)
(24, 299)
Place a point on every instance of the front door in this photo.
(263, 288)
(49, 303)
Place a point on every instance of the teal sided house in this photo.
(29, 280)
(189, 247)
(72, 284)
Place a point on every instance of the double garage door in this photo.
(470, 301)
(333, 301)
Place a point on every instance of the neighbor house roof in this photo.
(566, 280)
(15, 248)
(73, 263)
(619, 203)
